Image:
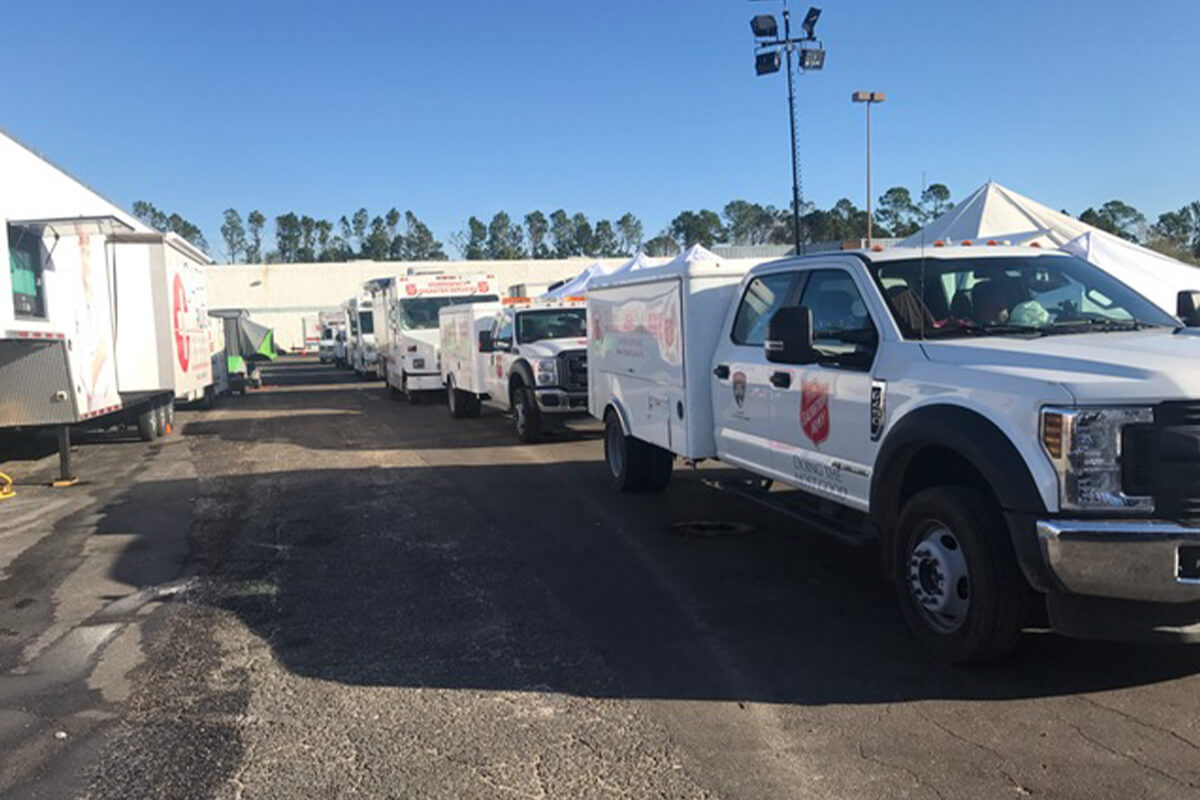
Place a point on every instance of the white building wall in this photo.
(280, 295)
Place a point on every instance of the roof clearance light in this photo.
(512, 301)
(939, 243)
(576, 299)
(992, 242)
(965, 243)
(1035, 244)
(877, 248)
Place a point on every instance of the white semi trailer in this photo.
(100, 324)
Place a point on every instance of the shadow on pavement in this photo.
(521, 577)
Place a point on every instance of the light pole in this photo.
(869, 98)
(767, 60)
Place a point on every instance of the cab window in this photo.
(764, 296)
(842, 327)
(502, 331)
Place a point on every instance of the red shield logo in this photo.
(410, 289)
(814, 410)
(179, 310)
(483, 287)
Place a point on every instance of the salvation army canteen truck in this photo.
(413, 339)
(1013, 428)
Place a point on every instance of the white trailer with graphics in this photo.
(99, 325)
(411, 365)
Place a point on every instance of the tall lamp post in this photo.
(811, 56)
(869, 98)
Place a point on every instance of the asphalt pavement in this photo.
(317, 591)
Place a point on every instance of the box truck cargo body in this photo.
(161, 316)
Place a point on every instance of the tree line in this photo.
(361, 235)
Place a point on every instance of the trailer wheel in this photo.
(626, 470)
(527, 419)
(160, 420)
(146, 426)
(209, 401)
(957, 578)
(170, 409)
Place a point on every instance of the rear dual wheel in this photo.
(634, 465)
(461, 404)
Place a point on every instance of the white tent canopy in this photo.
(1155, 276)
(995, 212)
(579, 284)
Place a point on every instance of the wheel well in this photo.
(936, 465)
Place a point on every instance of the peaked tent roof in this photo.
(997, 212)
(578, 284)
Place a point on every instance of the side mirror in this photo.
(485, 342)
(790, 337)
(1187, 308)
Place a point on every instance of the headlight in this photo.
(546, 370)
(1084, 444)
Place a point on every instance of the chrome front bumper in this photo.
(552, 400)
(1144, 560)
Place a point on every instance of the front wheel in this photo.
(527, 419)
(957, 578)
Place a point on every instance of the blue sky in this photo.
(603, 107)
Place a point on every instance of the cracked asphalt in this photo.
(315, 591)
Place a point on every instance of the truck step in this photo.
(856, 532)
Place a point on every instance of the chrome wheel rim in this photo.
(519, 413)
(938, 578)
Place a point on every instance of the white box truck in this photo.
(333, 333)
(411, 314)
(361, 354)
(1012, 429)
(522, 356)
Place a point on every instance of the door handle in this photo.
(721, 371)
(781, 380)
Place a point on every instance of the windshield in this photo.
(558, 323)
(422, 312)
(366, 322)
(1037, 295)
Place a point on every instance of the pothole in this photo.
(711, 528)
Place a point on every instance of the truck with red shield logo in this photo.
(1013, 430)
(411, 356)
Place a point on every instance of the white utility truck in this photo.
(413, 302)
(527, 357)
(103, 326)
(1013, 427)
(361, 354)
(331, 323)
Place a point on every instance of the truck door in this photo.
(822, 414)
(499, 359)
(741, 376)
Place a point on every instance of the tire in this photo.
(457, 401)
(209, 401)
(394, 393)
(474, 405)
(160, 420)
(527, 419)
(660, 464)
(146, 427)
(949, 531)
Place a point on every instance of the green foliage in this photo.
(935, 201)
(697, 227)
(234, 234)
(897, 212)
(1118, 218)
(629, 228)
(562, 234)
(537, 226)
(585, 243)
(419, 243)
(169, 223)
(288, 236)
(255, 221)
(1177, 233)
(662, 245)
(505, 241)
(474, 247)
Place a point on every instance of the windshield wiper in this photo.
(1091, 325)
(975, 329)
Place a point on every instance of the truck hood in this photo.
(430, 337)
(1135, 366)
(549, 348)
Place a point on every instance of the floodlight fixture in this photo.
(810, 22)
(764, 26)
(812, 58)
(868, 97)
(768, 62)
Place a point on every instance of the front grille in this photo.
(573, 368)
(1162, 461)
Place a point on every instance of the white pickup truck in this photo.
(527, 357)
(1014, 427)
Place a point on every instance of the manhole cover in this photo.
(710, 528)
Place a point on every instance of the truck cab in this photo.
(361, 355)
(535, 362)
(1013, 428)
(412, 361)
